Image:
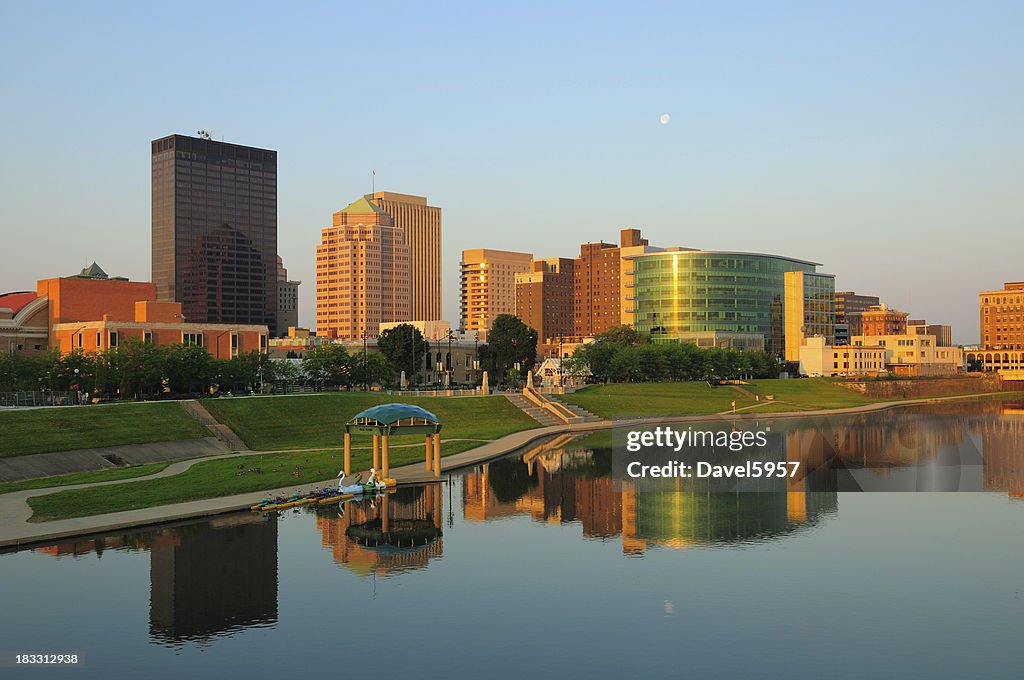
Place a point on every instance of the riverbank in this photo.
(16, 530)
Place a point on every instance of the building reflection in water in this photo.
(207, 578)
(554, 482)
(390, 534)
(551, 483)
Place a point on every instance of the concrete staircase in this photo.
(583, 414)
(535, 412)
(222, 432)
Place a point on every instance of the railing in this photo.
(557, 409)
(39, 398)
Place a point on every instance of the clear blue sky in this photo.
(881, 139)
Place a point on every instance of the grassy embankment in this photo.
(86, 427)
(694, 398)
(306, 424)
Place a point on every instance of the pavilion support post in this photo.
(385, 468)
(348, 454)
(437, 454)
(376, 452)
(429, 452)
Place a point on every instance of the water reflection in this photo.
(219, 577)
(389, 534)
(207, 578)
(561, 485)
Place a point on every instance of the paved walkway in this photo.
(14, 511)
(34, 466)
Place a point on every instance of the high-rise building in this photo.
(287, 300)
(422, 226)
(597, 283)
(808, 309)
(214, 246)
(849, 306)
(881, 320)
(362, 273)
(544, 297)
(1001, 313)
(681, 292)
(488, 286)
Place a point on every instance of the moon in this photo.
(664, 118)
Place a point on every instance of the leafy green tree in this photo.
(327, 365)
(624, 335)
(188, 368)
(373, 368)
(509, 341)
(142, 367)
(404, 348)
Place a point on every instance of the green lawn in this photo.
(807, 394)
(317, 420)
(110, 475)
(273, 472)
(624, 400)
(85, 427)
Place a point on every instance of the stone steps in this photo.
(222, 432)
(527, 407)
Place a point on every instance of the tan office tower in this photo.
(362, 273)
(488, 286)
(422, 226)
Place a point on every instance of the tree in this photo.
(624, 335)
(188, 368)
(327, 365)
(404, 348)
(142, 367)
(372, 368)
(510, 341)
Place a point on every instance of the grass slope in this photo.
(624, 400)
(316, 421)
(216, 478)
(66, 428)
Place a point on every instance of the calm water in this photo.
(540, 565)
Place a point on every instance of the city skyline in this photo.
(885, 151)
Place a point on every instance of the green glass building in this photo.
(685, 291)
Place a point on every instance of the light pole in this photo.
(448, 360)
(365, 386)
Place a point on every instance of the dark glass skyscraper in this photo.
(215, 229)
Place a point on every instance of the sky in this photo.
(882, 140)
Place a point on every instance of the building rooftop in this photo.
(362, 206)
(689, 251)
(16, 301)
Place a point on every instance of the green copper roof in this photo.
(386, 414)
(362, 207)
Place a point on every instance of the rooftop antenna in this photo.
(373, 182)
(204, 134)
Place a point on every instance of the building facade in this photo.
(421, 224)
(686, 291)
(849, 306)
(544, 297)
(362, 273)
(287, 301)
(818, 359)
(914, 355)
(214, 229)
(24, 323)
(943, 333)
(488, 286)
(1001, 313)
(598, 284)
(808, 310)
(880, 320)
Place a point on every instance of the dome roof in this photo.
(389, 414)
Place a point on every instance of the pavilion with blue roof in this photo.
(385, 420)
